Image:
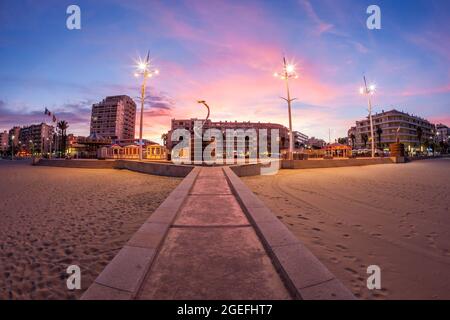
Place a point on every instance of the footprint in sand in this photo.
(340, 246)
(316, 229)
(378, 235)
(351, 271)
(334, 260)
(346, 235)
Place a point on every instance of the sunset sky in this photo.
(225, 52)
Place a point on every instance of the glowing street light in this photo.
(369, 91)
(12, 147)
(144, 69)
(288, 73)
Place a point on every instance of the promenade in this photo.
(199, 244)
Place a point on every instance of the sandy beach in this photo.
(395, 216)
(55, 217)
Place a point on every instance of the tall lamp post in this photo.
(287, 73)
(12, 147)
(32, 147)
(207, 107)
(143, 69)
(369, 91)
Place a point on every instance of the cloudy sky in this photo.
(226, 53)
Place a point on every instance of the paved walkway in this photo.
(199, 244)
(211, 251)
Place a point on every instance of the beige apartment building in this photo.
(188, 124)
(393, 123)
(114, 118)
(37, 138)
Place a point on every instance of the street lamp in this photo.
(207, 107)
(287, 73)
(369, 91)
(143, 69)
(32, 147)
(12, 147)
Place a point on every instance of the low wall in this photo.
(88, 164)
(247, 170)
(311, 164)
(428, 157)
(156, 168)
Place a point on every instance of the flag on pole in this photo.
(47, 112)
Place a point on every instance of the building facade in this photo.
(13, 136)
(223, 126)
(4, 141)
(388, 125)
(37, 138)
(300, 139)
(114, 118)
(442, 133)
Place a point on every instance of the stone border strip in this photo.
(303, 274)
(155, 168)
(122, 277)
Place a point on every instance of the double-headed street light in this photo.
(288, 73)
(369, 91)
(144, 69)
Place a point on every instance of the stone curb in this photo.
(303, 274)
(123, 276)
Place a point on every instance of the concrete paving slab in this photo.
(301, 266)
(211, 186)
(209, 173)
(329, 290)
(211, 210)
(275, 233)
(213, 263)
(127, 269)
(99, 292)
(150, 235)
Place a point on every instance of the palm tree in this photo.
(419, 133)
(62, 126)
(364, 138)
(353, 138)
(379, 132)
(164, 138)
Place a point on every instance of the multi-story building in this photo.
(394, 124)
(442, 132)
(223, 126)
(315, 143)
(13, 136)
(37, 138)
(300, 139)
(4, 141)
(114, 118)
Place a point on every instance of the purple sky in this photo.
(225, 52)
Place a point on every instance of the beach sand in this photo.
(395, 216)
(51, 218)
